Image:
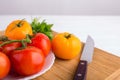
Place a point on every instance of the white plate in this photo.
(48, 64)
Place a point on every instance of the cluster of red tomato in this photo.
(25, 61)
(31, 59)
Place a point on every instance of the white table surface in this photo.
(105, 30)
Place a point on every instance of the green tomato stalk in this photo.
(23, 41)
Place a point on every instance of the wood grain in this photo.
(104, 66)
(114, 76)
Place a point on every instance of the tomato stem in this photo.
(23, 41)
(20, 23)
(8, 42)
(68, 36)
(3, 38)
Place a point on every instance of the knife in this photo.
(86, 57)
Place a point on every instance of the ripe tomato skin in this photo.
(8, 48)
(4, 65)
(0, 49)
(66, 45)
(27, 61)
(42, 42)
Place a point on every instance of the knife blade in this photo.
(86, 57)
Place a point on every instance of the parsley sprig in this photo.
(42, 27)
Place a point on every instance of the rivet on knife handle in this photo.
(81, 71)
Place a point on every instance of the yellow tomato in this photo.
(18, 29)
(66, 45)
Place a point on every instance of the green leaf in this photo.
(49, 34)
(42, 27)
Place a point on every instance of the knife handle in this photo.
(81, 71)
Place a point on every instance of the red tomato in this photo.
(0, 47)
(27, 61)
(8, 48)
(41, 41)
(4, 65)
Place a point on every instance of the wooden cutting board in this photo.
(104, 66)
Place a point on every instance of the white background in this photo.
(60, 7)
(105, 30)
